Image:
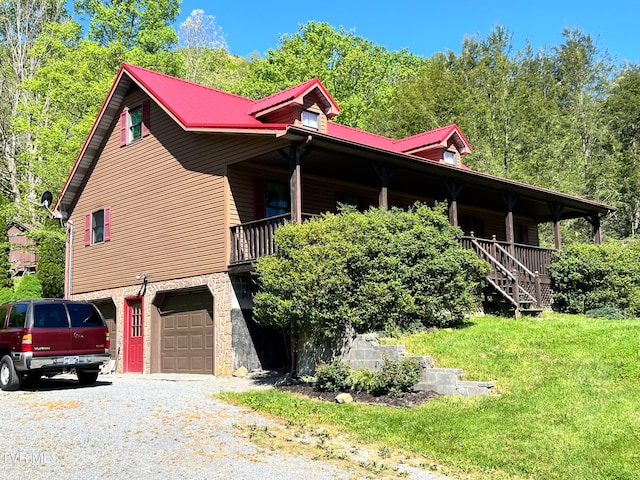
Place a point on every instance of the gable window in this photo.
(450, 157)
(311, 119)
(97, 227)
(134, 123)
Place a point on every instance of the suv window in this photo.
(50, 315)
(17, 316)
(83, 315)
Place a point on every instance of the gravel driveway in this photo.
(147, 426)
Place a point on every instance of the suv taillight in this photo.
(107, 340)
(27, 343)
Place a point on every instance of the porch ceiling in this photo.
(355, 162)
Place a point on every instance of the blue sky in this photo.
(426, 26)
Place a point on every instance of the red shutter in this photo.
(87, 229)
(146, 118)
(259, 207)
(123, 128)
(107, 224)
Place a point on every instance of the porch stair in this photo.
(513, 288)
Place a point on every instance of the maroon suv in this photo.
(48, 337)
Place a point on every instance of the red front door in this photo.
(133, 335)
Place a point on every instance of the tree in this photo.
(200, 38)
(378, 270)
(51, 258)
(21, 23)
(622, 111)
(132, 23)
(359, 74)
(5, 248)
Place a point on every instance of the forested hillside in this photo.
(566, 118)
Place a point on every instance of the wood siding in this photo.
(168, 216)
(321, 194)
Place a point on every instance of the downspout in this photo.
(69, 262)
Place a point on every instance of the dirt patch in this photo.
(407, 400)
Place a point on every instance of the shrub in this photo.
(364, 380)
(6, 295)
(29, 287)
(333, 377)
(611, 313)
(381, 270)
(397, 376)
(587, 277)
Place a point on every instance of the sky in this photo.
(425, 27)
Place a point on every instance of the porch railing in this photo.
(253, 240)
(518, 272)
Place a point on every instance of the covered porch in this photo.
(499, 217)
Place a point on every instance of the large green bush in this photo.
(587, 277)
(379, 270)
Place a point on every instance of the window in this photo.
(17, 316)
(521, 233)
(134, 123)
(450, 157)
(50, 315)
(97, 227)
(277, 198)
(84, 315)
(472, 223)
(311, 119)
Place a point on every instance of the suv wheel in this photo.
(9, 378)
(87, 378)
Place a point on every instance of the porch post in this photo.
(295, 186)
(384, 175)
(510, 201)
(557, 214)
(296, 156)
(454, 191)
(597, 229)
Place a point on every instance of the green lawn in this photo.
(566, 402)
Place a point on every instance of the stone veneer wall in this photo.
(218, 284)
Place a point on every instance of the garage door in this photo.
(187, 333)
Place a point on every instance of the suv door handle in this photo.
(78, 335)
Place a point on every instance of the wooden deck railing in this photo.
(253, 240)
(536, 259)
(527, 266)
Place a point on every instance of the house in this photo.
(179, 187)
(22, 250)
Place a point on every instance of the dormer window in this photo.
(450, 157)
(311, 119)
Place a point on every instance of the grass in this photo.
(565, 404)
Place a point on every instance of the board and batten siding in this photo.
(168, 198)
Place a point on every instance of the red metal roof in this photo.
(292, 93)
(439, 136)
(194, 105)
